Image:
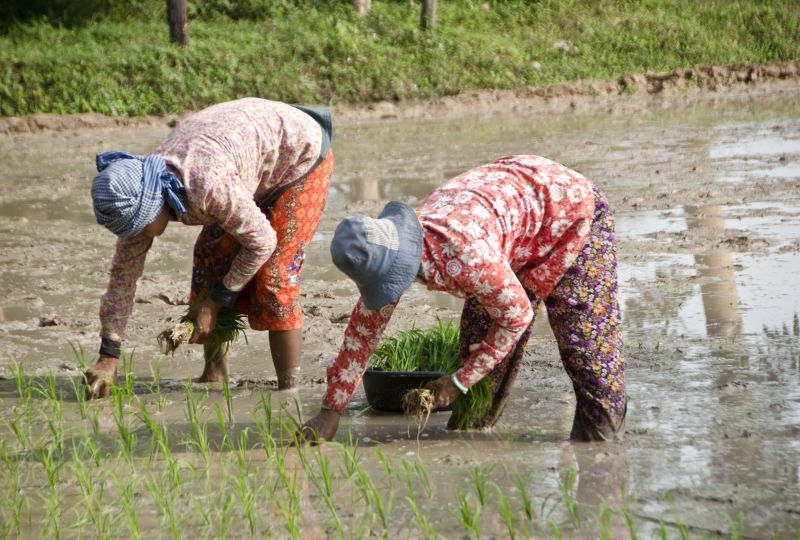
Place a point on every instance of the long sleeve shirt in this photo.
(229, 157)
(492, 233)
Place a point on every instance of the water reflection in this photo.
(717, 276)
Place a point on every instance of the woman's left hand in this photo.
(444, 391)
(204, 316)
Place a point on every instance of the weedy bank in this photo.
(114, 57)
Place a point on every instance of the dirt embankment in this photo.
(679, 85)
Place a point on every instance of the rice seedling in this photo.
(229, 327)
(426, 528)
(20, 429)
(432, 349)
(288, 505)
(350, 455)
(737, 526)
(417, 349)
(388, 468)
(24, 388)
(163, 499)
(264, 426)
(246, 487)
(155, 374)
(170, 339)
(480, 482)
(13, 497)
(506, 513)
(52, 463)
(240, 451)
(322, 480)
(128, 374)
(92, 485)
(89, 450)
(382, 507)
(469, 516)
(223, 517)
(128, 497)
(555, 530)
(54, 418)
(160, 443)
(472, 407)
(226, 392)
(566, 487)
(418, 404)
(54, 514)
(80, 396)
(605, 524)
(126, 434)
(225, 443)
(527, 503)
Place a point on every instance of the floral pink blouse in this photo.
(229, 157)
(492, 233)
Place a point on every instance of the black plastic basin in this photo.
(385, 389)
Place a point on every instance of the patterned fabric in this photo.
(228, 156)
(493, 233)
(272, 298)
(129, 191)
(584, 315)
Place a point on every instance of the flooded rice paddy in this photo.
(708, 219)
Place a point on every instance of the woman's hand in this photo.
(204, 316)
(444, 391)
(320, 428)
(99, 377)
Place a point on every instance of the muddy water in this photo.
(708, 206)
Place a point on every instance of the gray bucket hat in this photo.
(382, 255)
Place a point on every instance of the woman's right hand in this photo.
(320, 428)
(99, 377)
(204, 317)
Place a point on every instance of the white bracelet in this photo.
(458, 384)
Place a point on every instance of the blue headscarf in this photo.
(129, 192)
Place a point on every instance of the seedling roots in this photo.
(170, 339)
(418, 404)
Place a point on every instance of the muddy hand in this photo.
(444, 391)
(320, 428)
(204, 316)
(99, 377)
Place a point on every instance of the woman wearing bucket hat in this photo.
(505, 236)
(255, 174)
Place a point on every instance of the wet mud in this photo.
(707, 195)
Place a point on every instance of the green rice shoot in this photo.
(417, 349)
(433, 349)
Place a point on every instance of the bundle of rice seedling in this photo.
(230, 325)
(171, 338)
(418, 404)
(417, 349)
(433, 349)
(471, 408)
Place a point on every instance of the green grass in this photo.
(120, 62)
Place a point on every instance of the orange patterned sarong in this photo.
(271, 300)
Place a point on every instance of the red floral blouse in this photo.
(492, 233)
